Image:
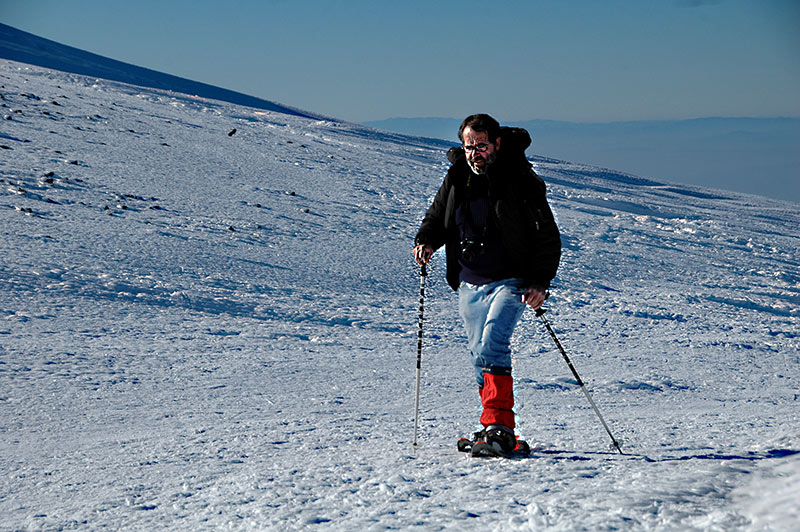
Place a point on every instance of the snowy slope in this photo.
(24, 47)
(202, 330)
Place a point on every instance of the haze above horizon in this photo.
(580, 61)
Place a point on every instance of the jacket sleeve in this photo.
(432, 229)
(530, 233)
(545, 251)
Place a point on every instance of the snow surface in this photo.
(202, 330)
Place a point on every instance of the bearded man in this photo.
(502, 249)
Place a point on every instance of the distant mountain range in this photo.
(751, 155)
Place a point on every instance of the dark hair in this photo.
(480, 122)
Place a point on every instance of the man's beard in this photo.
(487, 161)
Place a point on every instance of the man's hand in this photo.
(423, 254)
(534, 297)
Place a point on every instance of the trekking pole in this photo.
(540, 312)
(423, 272)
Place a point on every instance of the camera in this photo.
(471, 250)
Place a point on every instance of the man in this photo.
(503, 248)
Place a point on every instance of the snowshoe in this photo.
(465, 444)
(487, 443)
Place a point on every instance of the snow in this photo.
(204, 331)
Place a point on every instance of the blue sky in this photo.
(579, 60)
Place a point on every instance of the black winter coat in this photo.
(518, 200)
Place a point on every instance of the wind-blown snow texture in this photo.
(208, 331)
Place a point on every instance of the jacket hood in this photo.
(513, 140)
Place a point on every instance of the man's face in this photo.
(480, 151)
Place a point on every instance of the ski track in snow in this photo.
(204, 331)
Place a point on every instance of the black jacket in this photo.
(518, 203)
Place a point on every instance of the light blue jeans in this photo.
(490, 313)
